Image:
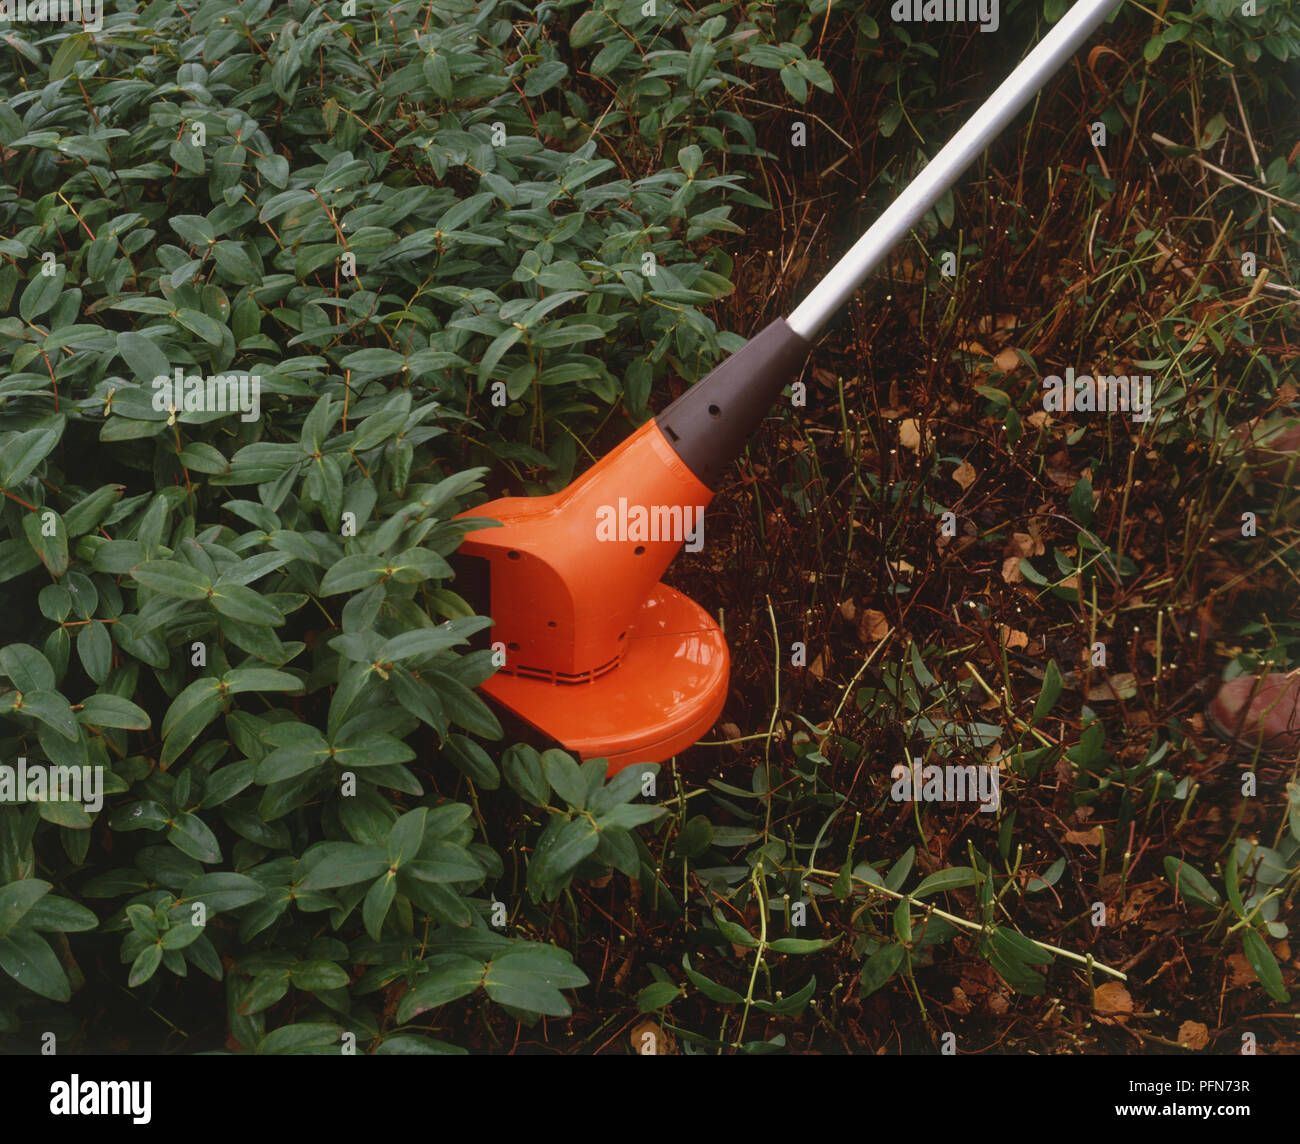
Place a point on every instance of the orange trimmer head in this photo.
(598, 654)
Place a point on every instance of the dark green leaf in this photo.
(406, 837)
(27, 958)
(17, 898)
(1191, 883)
(1265, 965)
(880, 967)
(223, 891)
(449, 977)
(146, 965)
(344, 864)
(942, 880)
(656, 996)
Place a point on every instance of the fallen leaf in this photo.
(1011, 570)
(848, 610)
(990, 322)
(1242, 971)
(1013, 637)
(1064, 783)
(818, 666)
(964, 474)
(1193, 1034)
(1137, 899)
(909, 434)
(895, 406)
(1025, 544)
(907, 270)
(1112, 998)
(1122, 685)
(1084, 837)
(874, 625)
(973, 983)
(622, 973)
(649, 1040)
(1007, 360)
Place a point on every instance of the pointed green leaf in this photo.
(27, 958)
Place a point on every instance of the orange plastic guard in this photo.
(598, 654)
(666, 693)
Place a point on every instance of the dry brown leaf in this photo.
(730, 731)
(1064, 783)
(818, 666)
(1084, 837)
(875, 625)
(974, 984)
(848, 609)
(1007, 360)
(907, 270)
(1242, 972)
(1039, 418)
(909, 434)
(649, 1040)
(1121, 685)
(1025, 544)
(1112, 998)
(1013, 637)
(964, 474)
(624, 971)
(1193, 1034)
(1137, 900)
(987, 323)
(1011, 570)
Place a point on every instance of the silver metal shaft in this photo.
(944, 169)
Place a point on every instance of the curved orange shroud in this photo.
(599, 655)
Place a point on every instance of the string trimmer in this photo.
(599, 655)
